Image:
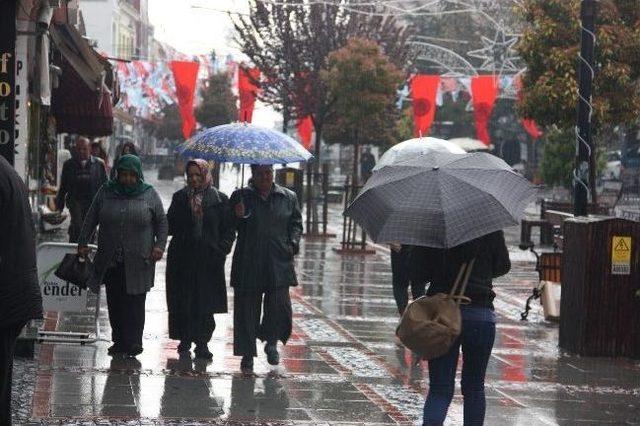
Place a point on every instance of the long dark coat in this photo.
(196, 287)
(268, 239)
(20, 298)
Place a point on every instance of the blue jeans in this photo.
(476, 340)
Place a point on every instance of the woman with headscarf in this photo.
(201, 224)
(131, 239)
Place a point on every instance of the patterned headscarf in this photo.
(197, 194)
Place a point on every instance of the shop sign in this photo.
(58, 295)
(621, 255)
(7, 78)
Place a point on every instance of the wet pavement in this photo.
(341, 365)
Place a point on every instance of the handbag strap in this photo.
(456, 283)
(460, 284)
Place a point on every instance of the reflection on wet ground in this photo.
(341, 365)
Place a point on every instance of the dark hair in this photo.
(255, 166)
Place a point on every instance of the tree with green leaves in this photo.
(362, 84)
(549, 47)
(290, 42)
(218, 105)
(168, 126)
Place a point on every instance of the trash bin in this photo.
(600, 305)
(292, 179)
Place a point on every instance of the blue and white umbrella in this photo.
(243, 143)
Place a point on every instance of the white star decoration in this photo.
(498, 54)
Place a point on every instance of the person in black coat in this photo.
(20, 298)
(201, 224)
(269, 225)
(82, 176)
(440, 267)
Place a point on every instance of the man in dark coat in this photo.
(269, 226)
(20, 299)
(82, 176)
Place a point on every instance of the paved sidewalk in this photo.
(340, 367)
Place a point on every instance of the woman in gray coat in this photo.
(131, 239)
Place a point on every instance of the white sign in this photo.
(58, 295)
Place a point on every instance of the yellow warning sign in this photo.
(621, 255)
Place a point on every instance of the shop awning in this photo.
(82, 102)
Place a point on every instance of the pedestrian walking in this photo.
(269, 226)
(440, 267)
(82, 176)
(400, 255)
(367, 164)
(98, 151)
(131, 239)
(20, 299)
(201, 223)
(126, 148)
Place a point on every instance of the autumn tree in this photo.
(218, 105)
(168, 125)
(362, 84)
(290, 41)
(549, 47)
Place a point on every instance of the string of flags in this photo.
(427, 92)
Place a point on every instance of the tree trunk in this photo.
(356, 154)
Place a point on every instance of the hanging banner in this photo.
(185, 75)
(305, 128)
(7, 79)
(424, 89)
(484, 91)
(529, 125)
(531, 128)
(247, 92)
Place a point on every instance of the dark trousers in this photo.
(264, 315)
(401, 282)
(126, 311)
(8, 336)
(476, 341)
(78, 210)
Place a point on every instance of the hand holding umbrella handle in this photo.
(241, 211)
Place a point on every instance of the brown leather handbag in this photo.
(431, 324)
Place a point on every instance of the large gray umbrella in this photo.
(441, 200)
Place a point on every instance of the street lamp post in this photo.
(584, 147)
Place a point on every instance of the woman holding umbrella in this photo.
(453, 208)
(439, 267)
(201, 225)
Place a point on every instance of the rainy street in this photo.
(341, 365)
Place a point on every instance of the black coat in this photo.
(440, 267)
(195, 266)
(268, 239)
(67, 187)
(20, 298)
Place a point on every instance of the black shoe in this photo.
(246, 365)
(203, 352)
(184, 346)
(115, 349)
(273, 357)
(134, 351)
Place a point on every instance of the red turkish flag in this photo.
(424, 89)
(484, 91)
(529, 125)
(185, 75)
(248, 91)
(305, 128)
